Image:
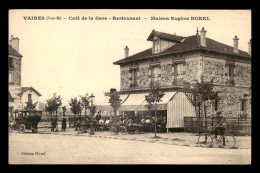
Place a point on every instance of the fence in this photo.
(235, 126)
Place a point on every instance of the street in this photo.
(30, 148)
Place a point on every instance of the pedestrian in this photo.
(64, 123)
(54, 123)
(220, 126)
(98, 116)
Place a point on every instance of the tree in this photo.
(203, 92)
(114, 100)
(149, 99)
(153, 98)
(74, 105)
(53, 104)
(85, 102)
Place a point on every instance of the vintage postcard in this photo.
(132, 86)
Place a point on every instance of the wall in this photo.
(17, 71)
(192, 69)
(230, 95)
(195, 65)
(242, 74)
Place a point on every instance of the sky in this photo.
(75, 57)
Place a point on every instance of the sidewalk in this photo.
(176, 138)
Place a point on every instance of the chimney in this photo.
(126, 51)
(14, 42)
(235, 44)
(203, 37)
(249, 47)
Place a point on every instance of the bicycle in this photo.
(206, 139)
(122, 130)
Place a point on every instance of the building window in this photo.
(11, 79)
(216, 105)
(29, 98)
(178, 73)
(155, 74)
(231, 74)
(243, 106)
(10, 63)
(134, 78)
(156, 46)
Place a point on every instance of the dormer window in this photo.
(156, 45)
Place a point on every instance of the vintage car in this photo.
(26, 120)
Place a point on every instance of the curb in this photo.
(133, 139)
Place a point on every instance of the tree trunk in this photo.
(155, 129)
(199, 120)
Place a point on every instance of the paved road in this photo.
(63, 149)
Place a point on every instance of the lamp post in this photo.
(92, 100)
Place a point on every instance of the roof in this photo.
(29, 88)
(190, 43)
(13, 52)
(165, 36)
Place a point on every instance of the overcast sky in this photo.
(75, 57)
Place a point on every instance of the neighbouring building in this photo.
(14, 75)
(17, 95)
(176, 62)
(29, 94)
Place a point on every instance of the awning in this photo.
(137, 102)
(177, 108)
(134, 102)
(167, 97)
(135, 99)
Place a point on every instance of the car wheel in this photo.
(22, 128)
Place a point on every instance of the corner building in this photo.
(176, 62)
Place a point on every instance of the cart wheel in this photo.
(22, 128)
(122, 130)
(112, 129)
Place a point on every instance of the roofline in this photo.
(19, 55)
(199, 49)
(39, 94)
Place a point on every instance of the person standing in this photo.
(64, 123)
(220, 126)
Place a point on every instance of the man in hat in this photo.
(220, 126)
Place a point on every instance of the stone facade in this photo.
(216, 69)
(143, 77)
(124, 84)
(17, 71)
(194, 66)
(242, 75)
(167, 77)
(192, 70)
(230, 102)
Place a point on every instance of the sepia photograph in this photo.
(129, 87)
